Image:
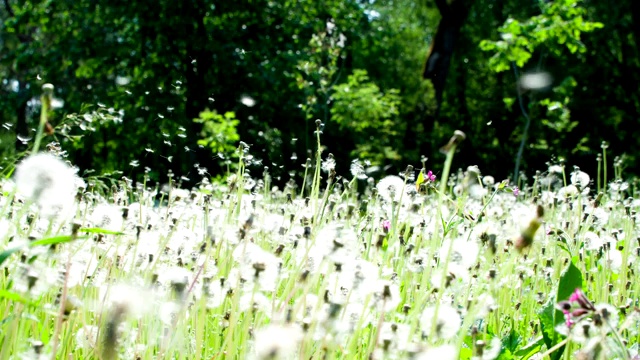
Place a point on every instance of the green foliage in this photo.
(555, 113)
(360, 107)
(219, 132)
(560, 25)
(155, 73)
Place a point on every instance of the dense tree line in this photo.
(389, 80)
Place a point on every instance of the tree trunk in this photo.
(443, 45)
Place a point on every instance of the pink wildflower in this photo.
(386, 225)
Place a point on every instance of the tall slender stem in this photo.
(525, 132)
(45, 99)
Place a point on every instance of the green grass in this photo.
(425, 270)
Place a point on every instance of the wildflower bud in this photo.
(386, 292)
(479, 348)
(75, 227)
(304, 275)
(457, 137)
(37, 347)
(47, 89)
(380, 240)
(526, 237)
(334, 310)
(492, 274)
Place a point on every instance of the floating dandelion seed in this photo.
(122, 80)
(535, 81)
(247, 101)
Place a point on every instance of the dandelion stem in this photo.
(443, 185)
(45, 101)
(555, 347)
(63, 301)
(527, 124)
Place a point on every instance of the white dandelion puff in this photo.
(448, 321)
(48, 182)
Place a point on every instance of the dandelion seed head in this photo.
(127, 299)
(357, 170)
(568, 192)
(87, 337)
(592, 241)
(580, 179)
(277, 341)
(391, 188)
(448, 321)
(107, 216)
(442, 352)
(48, 182)
(255, 302)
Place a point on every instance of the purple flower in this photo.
(576, 307)
(516, 191)
(430, 176)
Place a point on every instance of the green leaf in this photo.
(42, 242)
(530, 349)
(570, 280)
(508, 102)
(100, 231)
(5, 254)
(465, 353)
(511, 341)
(13, 296)
(53, 240)
(420, 179)
(563, 244)
(549, 335)
(549, 316)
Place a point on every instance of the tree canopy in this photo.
(172, 86)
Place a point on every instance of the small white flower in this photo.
(330, 26)
(341, 40)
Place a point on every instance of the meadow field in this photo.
(418, 265)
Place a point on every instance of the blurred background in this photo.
(162, 86)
